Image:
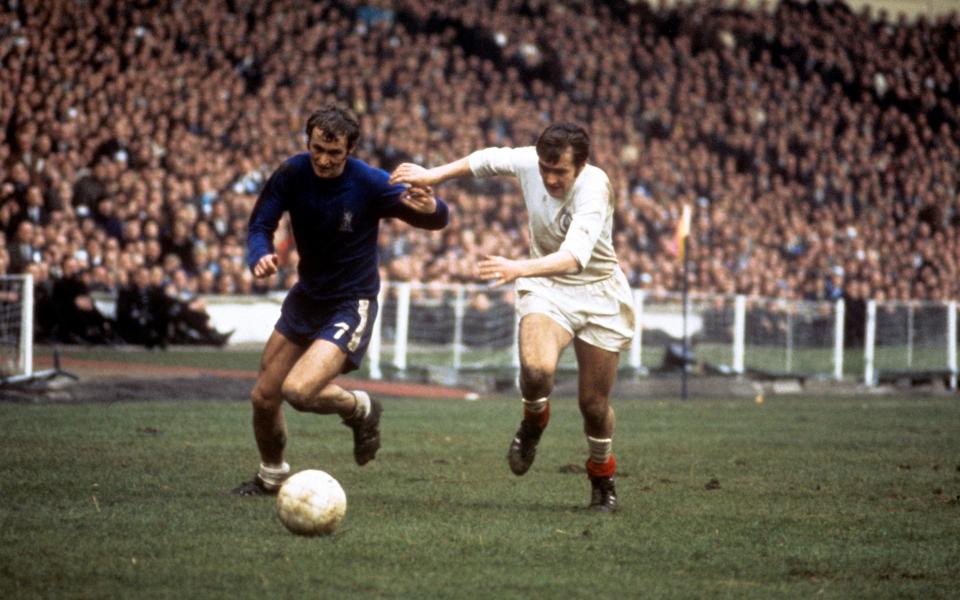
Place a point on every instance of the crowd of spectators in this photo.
(819, 147)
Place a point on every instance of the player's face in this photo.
(558, 177)
(327, 156)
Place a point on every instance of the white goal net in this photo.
(16, 327)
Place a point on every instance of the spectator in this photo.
(187, 315)
(78, 319)
(105, 217)
(35, 211)
(44, 310)
(142, 312)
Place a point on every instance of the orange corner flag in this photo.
(683, 230)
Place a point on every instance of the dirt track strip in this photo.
(95, 368)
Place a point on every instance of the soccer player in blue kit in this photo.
(335, 202)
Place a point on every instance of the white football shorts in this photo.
(600, 314)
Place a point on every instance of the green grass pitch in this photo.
(840, 497)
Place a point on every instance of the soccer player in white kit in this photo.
(571, 289)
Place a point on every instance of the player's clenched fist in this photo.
(420, 199)
(266, 266)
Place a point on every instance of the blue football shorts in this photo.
(347, 323)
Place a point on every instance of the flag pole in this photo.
(683, 375)
(683, 232)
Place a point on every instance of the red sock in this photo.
(540, 419)
(606, 469)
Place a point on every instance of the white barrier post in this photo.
(869, 343)
(459, 304)
(788, 360)
(403, 326)
(910, 335)
(739, 332)
(376, 341)
(952, 343)
(838, 340)
(636, 347)
(26, 327)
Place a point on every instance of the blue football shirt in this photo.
(335, 224)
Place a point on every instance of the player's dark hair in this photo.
(556, 138)
(334, 121)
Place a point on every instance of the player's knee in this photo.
(535, 381)
(262, 399)
(296, 394)
(595, 408)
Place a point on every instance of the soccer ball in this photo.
(311, 502)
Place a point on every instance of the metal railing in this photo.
(467, 327)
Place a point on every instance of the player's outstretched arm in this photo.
(501, 270)
(415, 175)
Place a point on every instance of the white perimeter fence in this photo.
(461, 328)
(471, 327)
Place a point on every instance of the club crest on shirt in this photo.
(565, 219)
(346, 221)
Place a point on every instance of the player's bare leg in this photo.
(541, 342)
(308, 388)
(269, 426)
(597, 374)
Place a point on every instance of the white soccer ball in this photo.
(311, 502)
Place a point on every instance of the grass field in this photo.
(852, 497)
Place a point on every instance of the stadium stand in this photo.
(819, 146)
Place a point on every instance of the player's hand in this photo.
(266, 266)
(420, 199)
(413, 175)
(498, 270)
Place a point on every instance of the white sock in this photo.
(599, 449)
(273, 476)
(363, 405)
(535, 406)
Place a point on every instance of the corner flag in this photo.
(683, 230)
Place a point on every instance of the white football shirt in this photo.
(581, 223)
